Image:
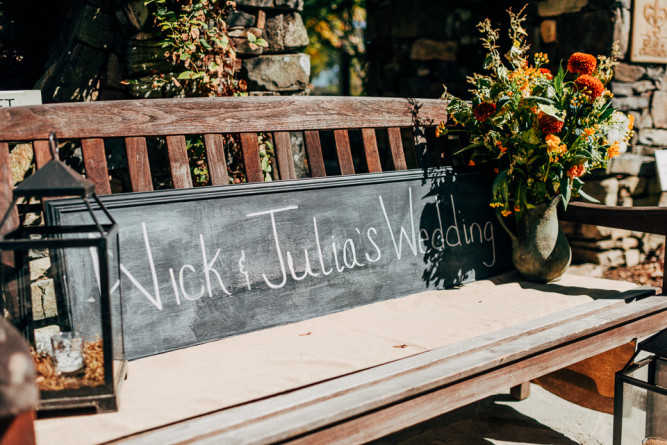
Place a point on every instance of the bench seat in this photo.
(266, 386)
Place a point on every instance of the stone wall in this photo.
(103, 43)
(413, 51)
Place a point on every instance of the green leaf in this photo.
(545, 100)
(252, 38)
(552, 111)
(531, 137)
(488, 62)
(205, 44)
(468, 147)
(558, 80)
(607, 113)
(566, 191)
(502, 102)
(265, 164)
(499, 180)
(186, 75)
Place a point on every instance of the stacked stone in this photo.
(105, 44)
(279, 68)
(615, 247)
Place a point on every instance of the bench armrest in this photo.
(641, 219)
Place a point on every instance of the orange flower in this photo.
(552, 141)
(614, 150)
(501, 147)
(484, 111)
(506, 213)
(440, 129)
(631, 122)
(471, 163)
(576, 171)
(589, 85)
(589, 131)
(549, 124)
(495, 170)
(582, 63)
(517, 208)
(546, 73)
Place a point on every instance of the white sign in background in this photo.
(20, 98)
(661, 166)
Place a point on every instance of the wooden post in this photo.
(521, 392)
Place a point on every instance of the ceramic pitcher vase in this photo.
(540, 250)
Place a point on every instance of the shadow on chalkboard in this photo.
(465, 242)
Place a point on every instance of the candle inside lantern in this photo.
(67, 352)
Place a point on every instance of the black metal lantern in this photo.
(640, 400)
(60, 285)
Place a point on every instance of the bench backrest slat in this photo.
(178, 160)
(6, 184)
(283, 148)
(138, 165)
(396, 147)
(314, 152)
(217, 164)
(95, 163)
(42, 152)
(344, 152)
(371, 150)
(251, 160)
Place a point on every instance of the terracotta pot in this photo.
(540, 251)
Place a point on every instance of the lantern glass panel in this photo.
(65, 297)
(644, 398)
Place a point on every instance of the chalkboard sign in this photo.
(202, 264)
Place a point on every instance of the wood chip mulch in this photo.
(93, 371)
(649, 273)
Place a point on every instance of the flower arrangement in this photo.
(542, 131)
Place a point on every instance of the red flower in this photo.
(589, 85)
(484, 111)
(582, 63)
(546, 73)
(549, 124)
(576, 171)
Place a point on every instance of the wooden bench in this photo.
(353, 405)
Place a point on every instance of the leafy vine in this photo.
(196, 41)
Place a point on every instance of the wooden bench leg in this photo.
(18, 430)
(521, 391)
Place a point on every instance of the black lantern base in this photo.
(70, 402)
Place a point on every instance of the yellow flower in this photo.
(631, 122)
(614, 150)
(589, 131)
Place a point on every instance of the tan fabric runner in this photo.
(181, 384)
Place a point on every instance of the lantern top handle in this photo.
(54, 179)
